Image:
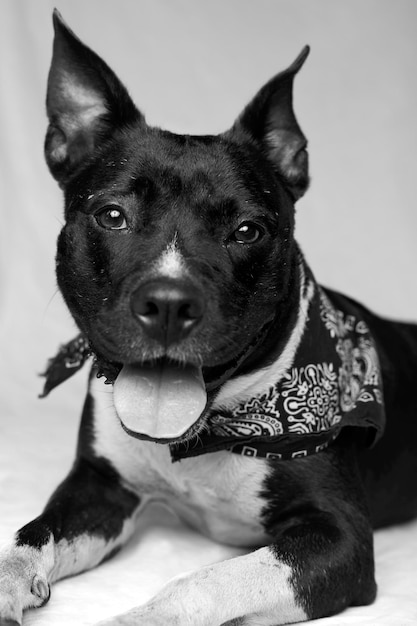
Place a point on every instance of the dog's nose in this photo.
(167, 310)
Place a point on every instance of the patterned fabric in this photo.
(334, 381)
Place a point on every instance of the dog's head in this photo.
(176, 248)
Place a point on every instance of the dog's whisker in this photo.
(54, 295)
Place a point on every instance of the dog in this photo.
(267, 411)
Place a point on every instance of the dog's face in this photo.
(157, 213)
(175, 247)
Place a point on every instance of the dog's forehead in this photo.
(197, 158)
(208, 164)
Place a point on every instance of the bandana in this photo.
(333, 381)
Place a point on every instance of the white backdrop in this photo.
(191, 66)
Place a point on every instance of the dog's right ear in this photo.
(85, 103)
(270, 122)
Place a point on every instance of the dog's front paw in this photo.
(21, 585)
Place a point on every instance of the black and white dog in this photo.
(225, 382)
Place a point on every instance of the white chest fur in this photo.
(218, 493)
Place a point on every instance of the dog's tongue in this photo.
(159, 401)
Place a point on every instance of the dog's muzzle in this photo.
(161, 399)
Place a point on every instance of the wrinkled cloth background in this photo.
(191, 66)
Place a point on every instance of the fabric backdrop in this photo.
(191, 66)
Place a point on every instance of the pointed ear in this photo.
(269, 120)
(85, 103)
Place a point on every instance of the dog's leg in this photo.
(251, 589)
(320, 564)
(258, 589)
(87, 519)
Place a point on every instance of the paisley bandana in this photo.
(334, 381)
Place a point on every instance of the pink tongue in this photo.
(161, 401)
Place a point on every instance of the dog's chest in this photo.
(218, 493)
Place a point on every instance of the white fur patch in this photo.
(171, 263)
(256, 587)
(258, 382)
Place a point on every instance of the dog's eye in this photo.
(112, 218)
(248, 232)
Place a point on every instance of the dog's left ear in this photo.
(86, 103)
(269, 120)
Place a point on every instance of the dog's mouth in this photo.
(166, 400)
(160, 400)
